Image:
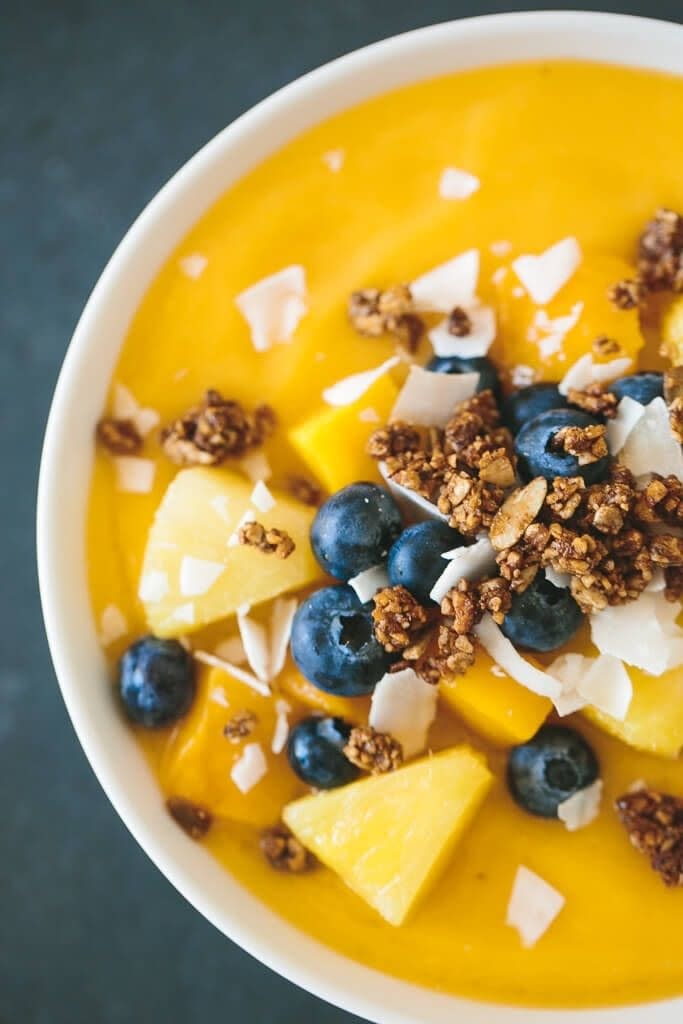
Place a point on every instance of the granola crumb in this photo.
(120, 437)
(660, 502)
(269, 540)
(660, 252)
(364, 314)
(374, 752)
(519, 563)
(673, 383)
(594, 399)
(495, 598)
(284, 852)
(673, 576)
(654, 822)
(393, 440)
(373, 313)
(625, 294)
(461, 605)
(607, 506)
(305, 490)
(215, 430)
(666, 550)
(586, 444)
(676, 418)
(241, 725)
(469, 504)
(193, 819)
(604, 346)
(459, 323)
(397, 618)
(565, 497)
(408, 330)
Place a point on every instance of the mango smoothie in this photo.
(383, 795)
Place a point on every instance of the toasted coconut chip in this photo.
(510, 660)
(369, 415)
(367, 583)
(249, 516)
(198, 575)
(274, 306)
(250, 769)
(533, 906)
(127, 407)
(650, 446)
(281, 619)
(451, 284)
(220, 504)
(113, 625)
(582, 808)
(184, 613)
(193, 265)
(153, 586)
(411, 502)
(457, 184)
(262, 498)
(628, 414)
(545, 274)
(231, 649)
(350, 389)
(255, 466)
(281, 732)
(134, 475)
(334, 158)
(584, 372)
(466, 563)
(233, 670)
(429, 399)
(643, 633)
(476, 343)
(404, 706)
(553, 332)
(255, 641)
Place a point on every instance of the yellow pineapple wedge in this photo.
(654, 721)
(389, 836)
(192, 575)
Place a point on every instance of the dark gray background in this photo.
(99, 104)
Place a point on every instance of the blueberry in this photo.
(641, 387)
(488, 375)
(333, 643)
(415, 559)
(156, 681)
(542, 617)
(316, 752)
(523, 405)
(550, 768)
(536, 457)
(354, 530)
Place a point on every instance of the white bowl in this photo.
(67, 462)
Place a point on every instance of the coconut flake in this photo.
(231, 649)
(551, 333)
(500, 248)
(522, 376)
(561, 580)
(369, 581)
(281, 619)
(457, 184)
(465, 563)
(584, 372)
(197, 575)
(219, 696)
(651, 447)
(511, 661)
(582, 808)
(274, 306)
(126, 407)
(247, 516)
(628, 414)
(234, 670)
(262, 498)
(658, 582)
(281, 731)
(220, 504)
(476, 343)
(350, 389)
(543, 275)
(533, 906)
(255, 642)
(369, 415)
(499, 275)
(250, 769)
(334, 158)
(451, 284)
(134, 475)
(404, 706)
(184, 613)
(255, 466)
(642, 633)
(153, 586)
(411, 502)
(496, 670)
(113, 625)
(607, 686)
(194, 265)
(428, 398)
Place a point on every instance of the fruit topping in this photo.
(355, 529)
(527, 403)
(562, 442)
(156, 682)
(553, 766)
(316, 752)
(488, 375)
(543, 617)
(654, 822)
(416, 559)
(641, 387)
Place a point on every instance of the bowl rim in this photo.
(65, 473)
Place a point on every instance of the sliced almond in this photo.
(517, 512)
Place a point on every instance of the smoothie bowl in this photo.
(360, 525)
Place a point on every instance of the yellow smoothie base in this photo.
(560, 149)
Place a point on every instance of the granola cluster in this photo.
(241, 725)
(654, 822)
(595, 399)
(659, 263)
(373, 313)
(284, 852)
(267, 539)
(374, 752)
(398, 618)
(215, 430)
(587, 444)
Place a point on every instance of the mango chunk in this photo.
(191, 576)
(654, 721)
(495, 706)
(199, 758)
(332, 443)
(389, 837)
(672, 332)
(353, 709)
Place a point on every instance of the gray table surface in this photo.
(99, 104)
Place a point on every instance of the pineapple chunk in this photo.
(497, 707)
(389, 837)
(332, 443)
(199, 758)
(196, 518)
(654, 721)
(672, 332)
(353, 709)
